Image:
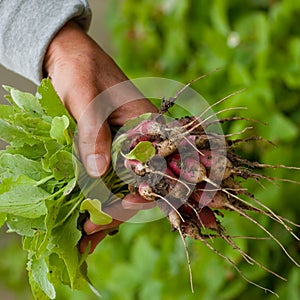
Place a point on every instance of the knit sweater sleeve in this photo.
(28, 26)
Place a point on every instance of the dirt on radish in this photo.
(194, 175)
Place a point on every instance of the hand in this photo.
(80, 70)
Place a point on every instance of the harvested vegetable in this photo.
(191, 172)
(39, 196)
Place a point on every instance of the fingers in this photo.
(92, 241)
(94, 146)
(136, 202)
(80, 75)
(112, 107)
(130, 110)
(121, 212)
(91, 228)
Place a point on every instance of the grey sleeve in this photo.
(27, 27)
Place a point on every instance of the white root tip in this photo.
(176, 223)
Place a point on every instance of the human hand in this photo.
(80, 70)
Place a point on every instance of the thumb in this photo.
(94, 145)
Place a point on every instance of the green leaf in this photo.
(121, 138)
(51, 148)
(70, 186)
(8, 111)
(18, 125)
(38, 270)
(64, 242)
(62, 165)
(36, 151)
(16, 136)
(22, 198)
(37, 292)
(59, 130)
(94, 207)
(25, 226)
(25, 100)
(34, 126)
(38, 196)
(52, 103)
(14, 165)
(58, 270)
(53, 209)
(142, 152)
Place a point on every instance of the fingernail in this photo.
(96, 164)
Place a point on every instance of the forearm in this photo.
(28, 26)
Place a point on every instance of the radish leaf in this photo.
(14, 165)
(64, 242)
(25, 226)
(39, 271)
(24, 100)
(22, 197)
(94, 207)
(142, 152)
(59, 130)
(61, 164)
(40, 197)
(52, 103)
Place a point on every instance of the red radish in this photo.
(218, 165)
(193, 171)
(146, 127)
(146, 191)
(140, 138)
(190, 169)
(194, 176)
(174, 162)
(205, 216)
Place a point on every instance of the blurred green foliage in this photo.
(256, 45)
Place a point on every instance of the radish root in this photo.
(194, 175)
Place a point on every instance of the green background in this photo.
(256, 45)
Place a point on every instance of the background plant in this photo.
(257, 46)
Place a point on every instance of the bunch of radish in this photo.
(187, 166)
(193, 174)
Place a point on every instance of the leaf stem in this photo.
(44, 180)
